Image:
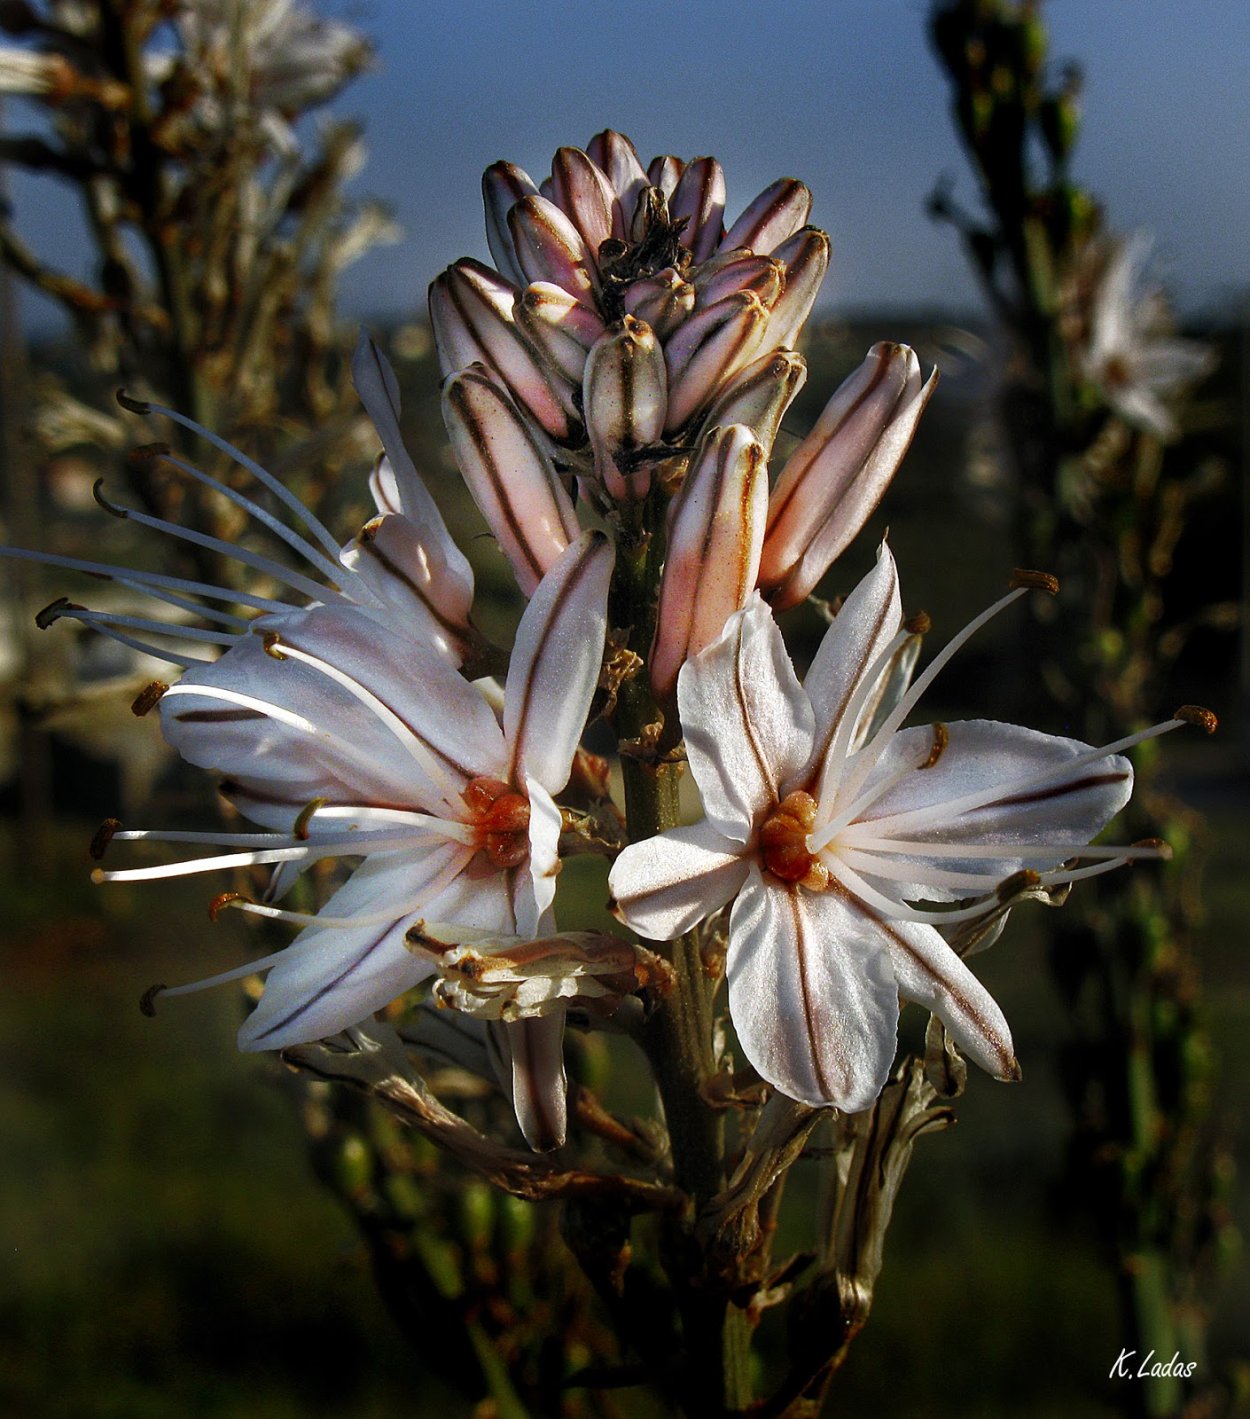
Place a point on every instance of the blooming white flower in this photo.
(827, 826)
(1134, 356)
(348, 738)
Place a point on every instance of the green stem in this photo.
(678, 1037)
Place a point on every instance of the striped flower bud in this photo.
(760, 395)
(472, 312)
(716, 530)
(625, 398)
(663, 301)
(699, 201)
(550, 248)
(559, 328)
(776, 214)
(837, 475)
(510, 476)
(503, 186)
(709, 349)
(804, 259)
(580, 188)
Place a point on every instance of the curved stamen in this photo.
(275, 486)
(836, 753)
(866, 759)
(94, 618)
(285, 576)
(187, 662)
(205, 613)
(892, 907)
(333, 570)
(150, 582)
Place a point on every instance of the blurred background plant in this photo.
(1097, 391)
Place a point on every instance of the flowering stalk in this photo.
(1103, 383)
(628, 362)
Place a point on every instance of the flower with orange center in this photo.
(845, 842)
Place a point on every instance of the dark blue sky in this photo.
(843, 93)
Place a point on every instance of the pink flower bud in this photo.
(625, 398)
(581, 190)
(806, 259)
(665, 173)
(837, 475)
(618, 158)
(503, 186)
(560, 329)
(699, 197)
(511, 478)
(740, 271)
(707, 350)
(716, 529)
(760, 395)
(472, 312)
(663, 301)
(777, 213)
(550, 248)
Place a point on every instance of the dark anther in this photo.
(54, 611)
(136, 406)
(1195, 714)
(1022, 579)
(149, 453)
(919, 624)
(103, 836)
(941, 738)
(147, 1001)
(272, 641)
(98, 495)
(148, 698)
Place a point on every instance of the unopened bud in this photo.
(716, 529)
(837, 475)
(625, 399)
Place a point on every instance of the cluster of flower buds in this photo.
(629, 341)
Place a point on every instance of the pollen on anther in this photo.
(1164, 849)
(148, 698)
(1195, 714)
(103, 836)
(918, 625)
(222, 901)
(1023, 579)
(271, 642)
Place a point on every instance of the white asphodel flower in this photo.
(842, 839)
(1134, 356)
(346, 738)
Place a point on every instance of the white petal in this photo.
(392, 557)
(428, 732)
(397, 477)
(537, 1079)
(930, 973)
(556, 661)
(993, 784)
(869, 619)
(747, 722)
(330, 978)
(812, 996)
(663, 885)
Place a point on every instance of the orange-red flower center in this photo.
(783, 842)
(501, 816)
